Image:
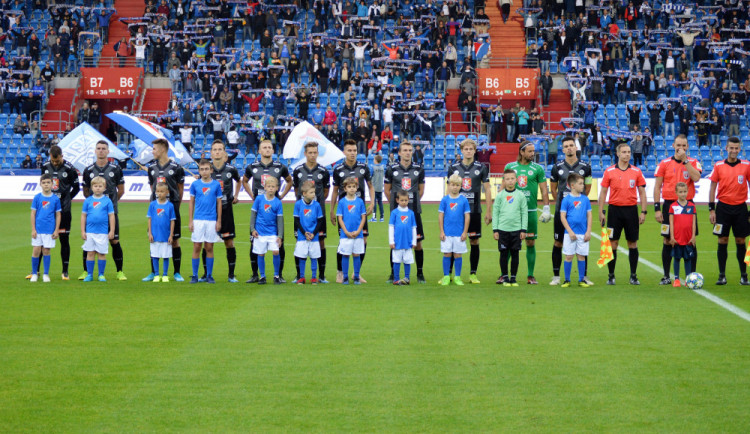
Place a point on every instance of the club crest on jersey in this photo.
(453, 206)
(159, 212)
(466, 184)
(266, 207)
(205, 190)
(45, 203)
(55, 184)
(740, 179)
(523, 181)
(509, 199)
(632, 183)
(263, 179)
(350, 208)
(406, 183)
(576, 204)
(307, 212)
(95, 204)
(161, 179)
(404, 218)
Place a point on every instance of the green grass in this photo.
(144, 357)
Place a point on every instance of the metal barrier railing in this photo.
(61, 118)
(115, 62)
(513, 62)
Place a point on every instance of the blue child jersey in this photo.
(454, 212)
(161, 215)
(46, 207)
(351, 212)
(97, 212)
(308, 214)
(403, 223)
(205, 194)
(576, 209)
(266, 212)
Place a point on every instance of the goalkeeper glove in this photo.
(546, 216)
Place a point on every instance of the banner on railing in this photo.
(106, 83)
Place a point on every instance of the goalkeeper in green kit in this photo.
(530, 179)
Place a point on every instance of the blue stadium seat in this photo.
(606, 161)
(651, 163)
(450, 140)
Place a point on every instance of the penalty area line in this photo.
(703, 293)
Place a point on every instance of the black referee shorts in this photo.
(665, 214)
(623, 217)
(475, 225)
(227, 222)
(734, 217)
(66, 217)
(177, 222)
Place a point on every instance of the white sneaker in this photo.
(587, 280)
(45, 278)
(34, 278)
(555, 281)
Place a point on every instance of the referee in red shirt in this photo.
(670, 171)
(731, 176)
(625, 183)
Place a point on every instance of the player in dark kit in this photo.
(258, 172)
(318, 175)
(163, 169)
(474, 176)
(229, 179)
(112, 174)
(559, 188)
(409, 177)
(731, 177)
(65, 186)
(350, 167)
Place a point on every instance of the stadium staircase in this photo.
(507, 40)
(155, 100)
(59, 103)
(118, 30)
(559, 107)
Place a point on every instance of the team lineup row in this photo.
(522, 180)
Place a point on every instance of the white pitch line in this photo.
(703, 293)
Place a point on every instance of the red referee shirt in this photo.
(672, 172)
(623, 184)
(732, 181)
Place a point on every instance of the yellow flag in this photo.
(605, 253)
(747, 256)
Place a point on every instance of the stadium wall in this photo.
(24, 187)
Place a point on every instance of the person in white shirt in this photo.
(359, 56)
(388, 116)
(186, 137)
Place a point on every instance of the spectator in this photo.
(27, 163)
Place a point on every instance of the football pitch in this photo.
(158, 357)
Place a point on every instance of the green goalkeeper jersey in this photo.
(510, 211)
(529, 176)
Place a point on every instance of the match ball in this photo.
(694, 281)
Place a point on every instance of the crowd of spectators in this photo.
(641, 70)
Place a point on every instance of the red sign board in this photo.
(105, 83)
(507, 83)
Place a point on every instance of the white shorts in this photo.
(453, 245)
(402, 256)
(351, 246)
(264, 243)
(98, 243)
(204, 231)
(577, 247)
(161, 250)
(307, 249)
(43, 240)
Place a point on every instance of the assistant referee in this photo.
(624, 183)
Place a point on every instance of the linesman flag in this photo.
(605, 253)
(747, 257)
